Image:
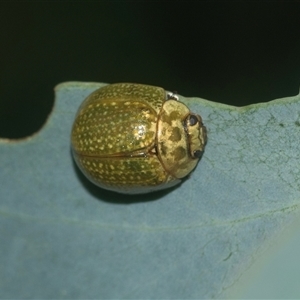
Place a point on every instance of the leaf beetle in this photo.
(133, 138)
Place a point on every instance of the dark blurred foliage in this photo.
(232, 52)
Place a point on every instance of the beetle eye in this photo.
(193, 120)
(197, 153)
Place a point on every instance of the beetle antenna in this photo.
(172, 96)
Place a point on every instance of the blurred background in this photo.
(236, 53)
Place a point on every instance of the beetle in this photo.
(134, 138)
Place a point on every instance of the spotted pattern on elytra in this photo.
(111, 127)
(125, 173)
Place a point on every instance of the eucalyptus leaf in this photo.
(62, 237)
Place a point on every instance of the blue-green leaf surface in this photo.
(62, 237)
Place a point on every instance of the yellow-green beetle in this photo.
(134, 138)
